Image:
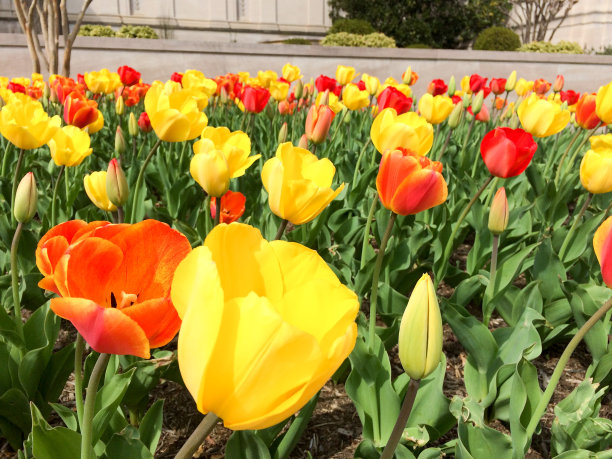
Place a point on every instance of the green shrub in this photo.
(418, 46)
(128, 31)
(373, 40)
(356, 26)
(297, 41)
(565, 47)
(96, 30)
(606, 51)
(497, 39)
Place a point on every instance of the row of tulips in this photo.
(261, 325)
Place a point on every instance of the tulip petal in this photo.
(394, 168)
(170, 125)
(422, 190)
(602, 245)
(157, 318)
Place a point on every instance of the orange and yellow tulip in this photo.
(410, 131)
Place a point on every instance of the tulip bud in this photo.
(282, 134)
(477, 102)
(467, 100)
(116, 184)
(133, 125)
(514, 121)
(511, 81)
(223, 96)
(498, 215)
(299, 89)
(120, 145)
(407, 76)
(318, 122)
(303, 143)
(455, 116)
(452, 85)
(26, 199)
(46, 91)
(144, 123)
(120, 106)
(558, 84)
(270, 112)
(53, 96)
(346, 118)
(420, 334)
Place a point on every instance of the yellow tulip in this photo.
(97, 124)
(25, 124)
(345, 74)
(174, 114)
(236, 148)
(354, 98)
(333, 102)
(95, 187)
(420, 334)
(291, 73)
(267, 77)
(264, 326)
(210, 169)
(70, 146)
(23, 81)
(298, 184)
(371, 82)
(279, 90)
(243, 76)
(465, 84)
(596, 165)
(523, 87)
(542, 118)
(603, 102)
(102, 82)
(511, 81)
(194, 79)
(435, 109)
(404, 89)
(409, 130)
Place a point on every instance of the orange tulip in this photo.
(232, 206)
(80, 111)
(318, 122)
(114, 282)
(602, 244)
(408, 183)
(586, 116)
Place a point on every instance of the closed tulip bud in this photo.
(120, 106)
(223, 96)
(407, 76)
(299, 89)
(318, 122)
(116, 184)
(53, 96)
(455, 116)
(282, 133)
(452, 85)
(303, 143)
(420, 334)
(558, 84)
(324, 98)
(46, 91)
(498, 216)
(120, 146)
(467, 100)
(477, 102)
(95, 187)
(511, 81)
(133, 125)
(26, 199)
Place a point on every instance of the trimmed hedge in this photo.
(565, 47)
(497, 39)
(126, 31)
(356, 26)
(373, 40)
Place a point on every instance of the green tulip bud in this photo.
(498, 215)
(120, 106)
(477, 102)
(452, 86)
(116, 184)
(511, 81)
(282, 134)
(120, 145)
(299, 89)
(26, 199)
(133, 125)
(455, 116)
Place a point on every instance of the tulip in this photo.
(232, 206)
(541, 86)
(70, 146)
(174, 113)
(120, 145)
(542, 118)
(194, 79)
(476, 105)
(116, 184)
(324, 83)
(80, 111)
(523, 87)
(286, 108)
(602, 244)
(586, 114)
(289, 313)
(451, 86)
(291, 73)
(569, 96)
(114, 282)
(132, 125)
(318, 122)
(299, 89)
(303, 143)
(604, 103)
(235, 146)
(279, 90)
(498, 85)
(25, 124)
(265, 78)
(211, 170)
(437, 87)
(26, 199)
(298, 184)
(354, 98)
(498, 216)
(507, 152)
(97, 124)
(420, 334)
(435, 109)
(558, 84)
(144, 123)
(102, 82)
(393, 98)
(483, 115)
(596, 165)
(255, 99)
(409, 77)
(177, 77)
(120, 106)
(410, 131)
(128, 75)
(332, 101)
(455, 116)
(95, 187)
(371, 83)
(345, 74)
(511, 81)
(477, 83)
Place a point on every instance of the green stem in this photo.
(206, 216)
(281, 229)
(366, 231)
(217, 213)
(90, 405)
(79, 348)
(197, 437)
(402, 419)
(5, 159)
(15, 183)
(357, 166)
(567, 353)
(486, 313)
(570, 164)
(465, 142)
(561, 161)
(336, 129)
(67, 184)
(571, 231)
(448, 136)
(54, 197)
(375, 277)
(120, 214)
(15, 279)
(141, 177)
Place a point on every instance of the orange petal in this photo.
(422, 190)
(56, 240)
(394, 168)
(106, 330)
(157, 318)
(602, 244)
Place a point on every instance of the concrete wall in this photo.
(157, 59)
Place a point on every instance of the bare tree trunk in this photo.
(25, 21)
(69, 41)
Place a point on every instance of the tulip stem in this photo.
(54, 197)
(375, 277)
(558, 371)
(465, 142)
(571, 231)
(359, 158)
(79, 348)
(560, 166)
(402, 419)
(451, 240)
(90, 405)
(281, 229)
(486, 312)
(120, 214)
(15, 279)
(573, 158)
(197, 437)
(333, 137)
(448, 136)
(217, 218)
(5, 159)
(15, 183)
(366, 232)
(141, 177)
(67, 184)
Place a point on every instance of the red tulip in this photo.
(393, 98)
(324, 83)
(602, 244)
(541, 86)
(128, 75)
(80, 111)
(144, 123)
(497, 86)
(16, 87)
(114, 282)
(586, 117)
(255, 98)
(477, 83)
(437, 87)
(232, 206)
(569, 96)
(178, 77)
(507, 152)
(483, 115)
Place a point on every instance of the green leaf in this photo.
(53, 443)
(123, 447)
(548, 269)
(245, 444)
(296, 429)
(68, 416)
(14, 407)
(107, 401)
(480, 442)
(524, 398)
(151, 426)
